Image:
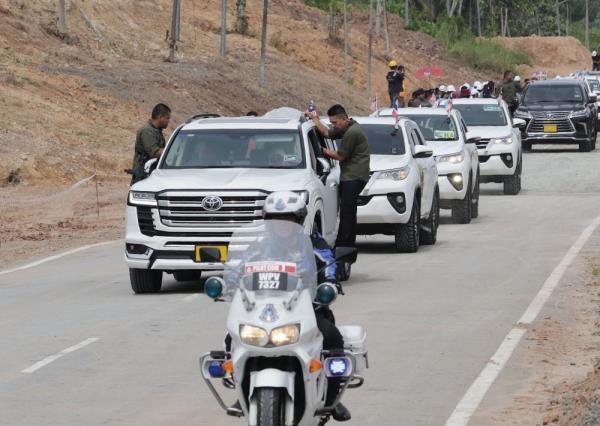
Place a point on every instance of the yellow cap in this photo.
(393, 64)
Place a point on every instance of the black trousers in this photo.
(349, 192)
(332, 339)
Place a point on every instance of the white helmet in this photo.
(517, 78)
(442, 88)
(451, 88)
(285, 203)
(474, 92)
(478, 85)
(594, 53)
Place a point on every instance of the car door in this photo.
(427, 171)
(328, 184)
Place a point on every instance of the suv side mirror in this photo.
(422, 151)
(593, 99)
(150, 165)
(519, 123)
(323, 166)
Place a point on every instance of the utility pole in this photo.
(174, 31)
(406, 15)
(386, 32)
(263, 43)
(587, 24)
(346, 76)
(370, 52)
(478, 18)
(567, 23)
(62, 20)
(223, 27)
(557, 18)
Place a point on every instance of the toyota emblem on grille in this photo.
(550, 115)
(212, 203)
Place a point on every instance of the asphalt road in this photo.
(433, 318)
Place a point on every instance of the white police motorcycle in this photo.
(277, 364)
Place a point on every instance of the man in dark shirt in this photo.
(509, 92)
(150, 141)
(395, 79)
(354, 157)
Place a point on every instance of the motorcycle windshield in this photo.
(273, 259)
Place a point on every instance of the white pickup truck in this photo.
(213, 177)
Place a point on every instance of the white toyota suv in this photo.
(500, 150)
(402, 195)
(456, 157)
(214, 176)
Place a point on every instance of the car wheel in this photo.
(184, 276)
(512, 184)
(145, 280)
(433, 221)
(585, 146)
(475, 199)
(344, 271)
(407, 235)
(461, 212)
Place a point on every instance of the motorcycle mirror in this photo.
(213, 287)
(346, 254)
(326, 294)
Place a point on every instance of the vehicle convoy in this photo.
(213, 177)
(276, 363)
(499, 146)
(559, 112)
(402, 195)
(456, 158)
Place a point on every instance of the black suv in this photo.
(558, 111)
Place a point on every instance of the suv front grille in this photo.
(559, 118)
(179, 209)
(482, 144)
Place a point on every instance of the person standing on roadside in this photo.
(395, 79)
(150, 141)
(354, 157)
(508, 91)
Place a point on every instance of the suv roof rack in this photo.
(202, 115)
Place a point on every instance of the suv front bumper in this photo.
(579, 132)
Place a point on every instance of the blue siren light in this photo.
(338, 367)
(215, 369)
(213, 287)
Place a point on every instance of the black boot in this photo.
(341, 413)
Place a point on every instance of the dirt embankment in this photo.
(555, 55)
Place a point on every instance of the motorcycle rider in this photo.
(287, 206)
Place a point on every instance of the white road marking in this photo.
(57, 256)
(470, 401)
(62, 353)
(191, 297)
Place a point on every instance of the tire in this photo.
(585, 146)
(461, 212)
(432, 222)
(270, 407)
(189, 275)
(145, 280)
(475, 199)
(345, 270)
(512, 184)
(407, 235)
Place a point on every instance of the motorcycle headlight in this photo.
(522, 114)
(580, 113)
(140, 198)
(286, 335)
(254, 336)
(452, 158)
(394, 174)
(506, 141)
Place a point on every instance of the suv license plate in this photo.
(550, 128)
(210, 254)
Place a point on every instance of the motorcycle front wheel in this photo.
(271, 406)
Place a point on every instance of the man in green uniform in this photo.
(508, 91)
(150, 141)
(354, 157)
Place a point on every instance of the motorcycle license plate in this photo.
(210, 254)
(550, 128)
(269, 281)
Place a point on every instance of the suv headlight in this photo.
(303, 195)
(286, 335)
(393, 174)
(452, 158)
(254, 336)
(506, 141)
(141, 198)
(522, 114)
(581, 113)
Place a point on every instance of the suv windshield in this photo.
(482, 114)
(435, 127)
(594, 84)
(555, 93)
(271, 260)
(225, 148)
(384, 139)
